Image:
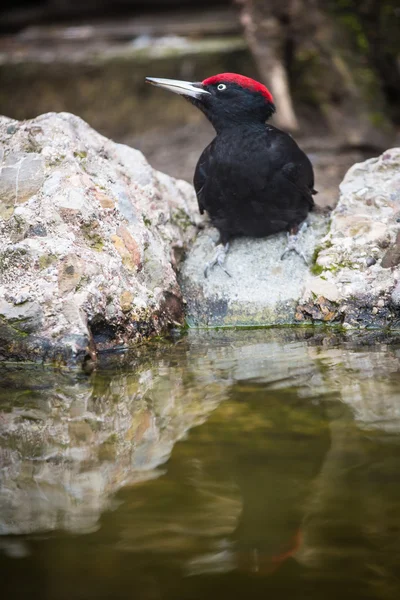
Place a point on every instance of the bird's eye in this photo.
(221, 87)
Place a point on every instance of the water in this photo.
(248, 464)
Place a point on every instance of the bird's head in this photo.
(226, 99)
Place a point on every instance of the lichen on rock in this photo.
(81, 218)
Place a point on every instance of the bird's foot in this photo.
(293, 237)
(218, 259)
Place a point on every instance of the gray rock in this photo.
(359, 256)
(90, 236)
(262, 289)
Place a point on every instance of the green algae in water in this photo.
(226, 464)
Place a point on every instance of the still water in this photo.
(240, 464)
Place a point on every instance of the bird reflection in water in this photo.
(276, 447)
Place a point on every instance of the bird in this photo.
(253, 179)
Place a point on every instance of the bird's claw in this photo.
(292, 248)
(292, 244)
(218, 259)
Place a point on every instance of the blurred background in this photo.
(333, 67)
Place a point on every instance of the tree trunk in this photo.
(266, 38)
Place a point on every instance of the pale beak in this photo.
(184, 88)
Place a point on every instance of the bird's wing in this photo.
(302, 176)
(200, 176)
(289, 161)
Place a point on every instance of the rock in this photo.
(319, 309)
(89, 236)
(359, 257)
(262, 289)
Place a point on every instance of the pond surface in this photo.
(240, 464)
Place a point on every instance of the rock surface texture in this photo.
(353, 278)
(89, 238)
(262, 289)
(358, 262)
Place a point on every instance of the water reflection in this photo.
(253, 463)
(68, 443)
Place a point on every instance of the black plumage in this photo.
(254, 181)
